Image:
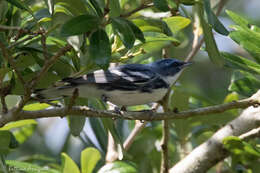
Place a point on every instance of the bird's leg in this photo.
(111, 106)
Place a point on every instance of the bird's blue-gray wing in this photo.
(126, 77)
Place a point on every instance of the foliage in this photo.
(118, 31)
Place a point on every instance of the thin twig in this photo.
(141, 7)
(49, 63)
(4, 105)
(255, 133)
(164, 147)
(21, 41)
(72, 100)
(4, 27)
(43, 42)
(130, 139)
(9, 59)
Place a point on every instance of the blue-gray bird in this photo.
(124, 85)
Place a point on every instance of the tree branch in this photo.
(12, 63)
(142, 115)
(141, 7)
(211, 152)
(130, 139)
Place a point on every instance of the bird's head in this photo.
(169, 66)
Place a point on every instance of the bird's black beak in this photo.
(186, 64)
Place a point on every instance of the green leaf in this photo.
(5, 139)
(110, 127)
(118, 166)
(241, 63)
(76, 124)
(157, 42)
(137, 31)
(211, 46)
(213, 19)
(246, 86)
(68, 165)
(74, 7)
(97, 7)
(28, 167)
(242, 151)
(161, 5)
(238, 19)
(3, 72)
(24, 60)
(248, 39)
(177, 23)
(114, 8)
(45, 82)
(79, 25)
(188, 2)
(18, 124)
(89, 158)
(24, 133)
(18, 4)
(124, 31)
(100, 48)
(154, 25)
(99, 131)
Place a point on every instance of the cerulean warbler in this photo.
(124, 85)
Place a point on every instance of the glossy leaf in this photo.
(46, 81)
(97, 7)
(76, 124)
(161, 5)
(246, 86)
(137, 31)
(242, 151)
(157, 42)
(99, 131)
(28, 167)
(153, 25)
(79, 25)
(213, 19)
(124, 31)
(3, 72)
(188, 2)
(118, 166)
(100, 48)
(177, 23)
(18, 4)
(238, 19)
(74, 7)
(89, 158)
(68, 165)
(18, 124)
(248, 39)
(241, 63)
(5, 139)
(211, 46)
(114, 8)
(24, 133)
(24, 60)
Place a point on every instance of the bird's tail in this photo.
(48, 94)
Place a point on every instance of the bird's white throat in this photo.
(172, 79)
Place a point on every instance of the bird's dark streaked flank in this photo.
(125, 85)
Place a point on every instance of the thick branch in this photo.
(211, 152)
(142, 115)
